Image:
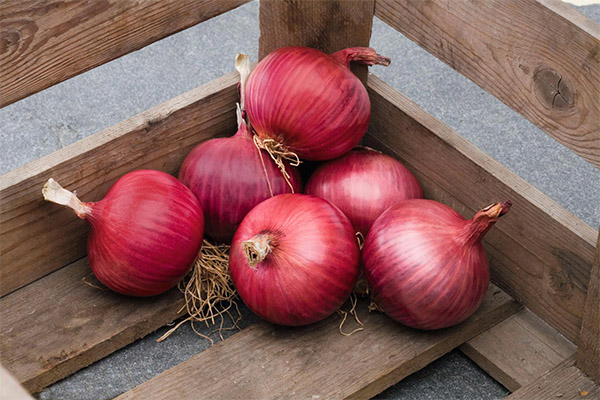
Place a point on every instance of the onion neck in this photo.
(243, 131)
(363, 55)
(55, 193)
(258, 248)
(483, 221)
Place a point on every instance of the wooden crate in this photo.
(538, 330)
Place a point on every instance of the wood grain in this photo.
(564, 382)
(38, 237)
(10, 389)
(328, 26)
(59, 324)
(44, 42)
(539, 253)
(541, 58)
(588, 352)
(270, 362)
(518, 350)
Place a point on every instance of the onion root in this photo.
(209, 292)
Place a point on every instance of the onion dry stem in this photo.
(208, 291)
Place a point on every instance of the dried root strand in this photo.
(373, 306)
(344, 315)
(279, 153)
(209, 293)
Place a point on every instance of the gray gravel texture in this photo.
(83, 105)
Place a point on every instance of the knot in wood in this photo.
(552, 89)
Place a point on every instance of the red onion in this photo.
(425, 263)
(145, 233)
(310, 101)
(363, 184)
(230, 176)
(294, 259)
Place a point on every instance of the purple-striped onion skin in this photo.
(425, 263)
(311, 265)
(310, 101)
(145, 233)
(228, 178)
(363, 183)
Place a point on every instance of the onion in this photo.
(363, 184)
(294, 259)
(145, 233)
(230, 176)
(310, 102)
(425, 263)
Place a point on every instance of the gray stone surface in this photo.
(83, 105)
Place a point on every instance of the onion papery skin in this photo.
(312, 265)
(145, 233)
(425, 263)
(363, 184)
(310, 101)
(228, 178)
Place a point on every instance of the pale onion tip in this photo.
(51, 189)
(53, 192)
(242, 65)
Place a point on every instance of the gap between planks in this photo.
(519, 349)
(539, 57)
(47, 42)
(271, 362)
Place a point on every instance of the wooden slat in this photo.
(565, 382)
(588, 352)
(329, 26)
(540, 57)
(59, 324)
(38, 237)
(518, 350)
(10, 389)
(44, 42)
(540, 253)
(270, 362)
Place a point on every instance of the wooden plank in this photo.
(38, 237)
(10, 388)
(565, 382)
(59, 324)
(540, 253)
(44, 42)
(539, 57)
(270, 362)
(518, 350)
(329, 26)
(588, 352)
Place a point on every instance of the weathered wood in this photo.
(518, 350)
(565, 382)
(540, 57)
(270, 362)
(588, 351)
(539, 253)
(38, 237)
(329, 26)
(60, 324)
(10, 389)
(45, 42)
